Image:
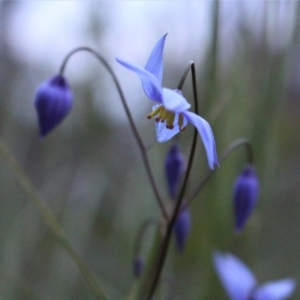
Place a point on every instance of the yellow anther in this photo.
(162, 115)
(155, 112)
(170, 120)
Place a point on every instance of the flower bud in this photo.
(53, 102)
(174, 166)
(245, 196)
(182, 229)
(138, 266)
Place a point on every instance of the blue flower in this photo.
(53, 102)
(174, 167)
(245, 196)
(171, 111)
(240, 283)
(182, 229)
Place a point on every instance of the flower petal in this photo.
(206, 135)
(276, 290)
(163, 133)
(155, 61)
(174, 101)
(151, 85)
(237, 279)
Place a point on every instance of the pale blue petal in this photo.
(174, 101)
(164, 134)
(155, 61)
(151, 85)
(235, 276)
(276, 290)
(206, 135)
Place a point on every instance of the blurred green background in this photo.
(89, 170)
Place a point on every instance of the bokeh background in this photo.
(89, 171)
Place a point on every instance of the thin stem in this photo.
(142, 147)
(171, 223)
(141, 234)
(249, 150)
(183, 78)
(231, 148)
(50, 220)
(178, 209)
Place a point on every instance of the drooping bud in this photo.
(53, 102)
(138, 266)
(245, 196)
(174, 166)
(182, 229)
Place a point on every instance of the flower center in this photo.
(162, 115)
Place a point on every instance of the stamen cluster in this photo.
(162, 115)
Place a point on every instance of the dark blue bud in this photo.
(138, 266)
(53, 102)
(245, 196)
(174, 166)
(182, 229)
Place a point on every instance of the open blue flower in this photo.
(240, 283)
(171, 111)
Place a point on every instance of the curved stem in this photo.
(183, 78)
(50, 220)
(231, 148)
(141, 234)
(142, 147)
(177, 209)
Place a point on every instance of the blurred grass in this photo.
(91, 176)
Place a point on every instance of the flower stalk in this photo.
(141, 145)
(177, 209)
(240, 143)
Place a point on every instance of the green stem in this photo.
(141, 286)
(167, 238)
(142, 147)
(140, 236)
(231, 148)
(50, 220)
